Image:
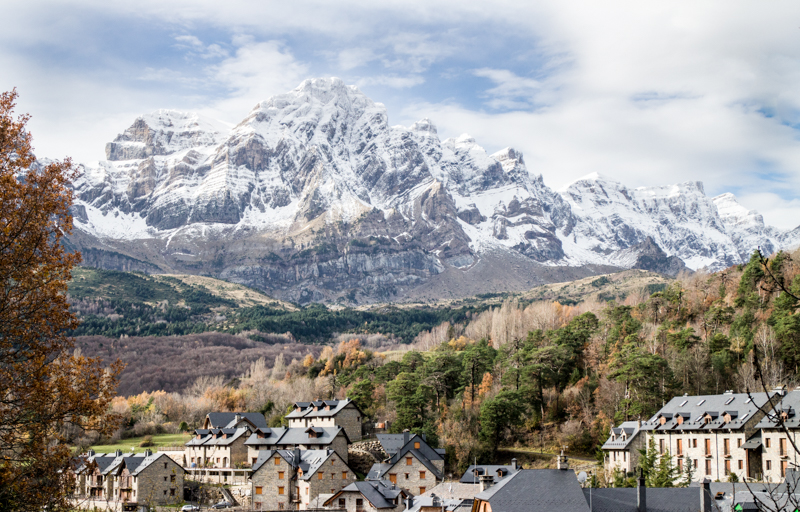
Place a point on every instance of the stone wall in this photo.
(410, 476)
(350, 419)
(157, 484)
(268, 479)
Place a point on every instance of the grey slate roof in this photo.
(620, 437)
(228, 419)
(790, 404)
(391, 443)
(377, 492)
(310, 460)
(306, 409)
(427, 500)
(454, 490)
(216, 436)
(659, 499)
(692, 409)
(144, 464)
(296, 435)
(473, 473)
(535, 490)
(425, 454)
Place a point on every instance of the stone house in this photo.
(328, 413)
(369, 495)
(709, 432)
(416, 467)
(218, 448)
(292, 479)
(621, 449)
(771, 452)
(251, 420)
(131, 479)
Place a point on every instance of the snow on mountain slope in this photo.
(315, 194)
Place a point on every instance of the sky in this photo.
(644, 93)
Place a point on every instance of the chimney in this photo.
(486, 482)
(118, 453)
(406, 436)
(148, 453)
(237, 419)
(514, 464)
(562, 462)
(409, 502)
(705, 495)
(90, 453)
(641, 497)
(297, 457)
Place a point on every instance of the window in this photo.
(679, 447)
(782, 444)
(694, 443)
(172, 492)
(422, 490)
(258, 505)
(277, 461)
(165, 464)
(726, 446)
(172, 478)
(624, 456)
(306, 491)
(422, 475)
(614, 454)
(680, 465)
(406, 476)
(728, 401)
(708, 447)
(333, 461)
(695, 464)
(769, 465)
(408, 461)
(165, 492)
(342, 503)
(708, 467)
(255, 459)
(217, 461)
(319, 476)
(280, 505)
(661, 446)
(768, 441)
(727, 467)
(193, 460)
(344, 475)
(684, 403)
(280, 491)
(165, 479)
(259, 490)
(701, 402)
(297, 491)
(393, 477)
(783, 468)
(280, 475)
(359, 503)
(741, 464)
(738, 443)
(416, 446)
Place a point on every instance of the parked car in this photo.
(190, 508)
(221, 504)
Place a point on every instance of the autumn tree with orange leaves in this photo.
(47, 394)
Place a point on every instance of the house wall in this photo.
(716, 469)
(338, 444)
(268, 478)
(778, 462)
(350, 420)
(161, 485)
(333, 480)
(408, 476)
(351, 503)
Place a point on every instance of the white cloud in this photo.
(397, 82)
(351, 58)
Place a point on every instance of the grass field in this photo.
(158, 440)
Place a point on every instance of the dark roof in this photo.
(659, 499)
(790, 404)
(620, 437)
(534, 490)
(391, 443)
(307, 408)
(694, 408)
(310, 460)
(228, 419)
(215, 437)
(472, 475)
(377, 492)
(424, 450)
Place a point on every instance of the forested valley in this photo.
(537, 375)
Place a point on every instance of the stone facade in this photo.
(328, 413)
(354, 501)
(160, 483)
(778, 454)
(412, 475)
(278, 483)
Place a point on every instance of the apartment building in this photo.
(217, 448)
(415, 467)
(293, 479)
(328, 413)
(710, 432)
(774, 448)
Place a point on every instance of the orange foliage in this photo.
(47, 390)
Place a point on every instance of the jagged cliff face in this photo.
(313, 196)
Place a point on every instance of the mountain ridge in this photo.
(314, 197)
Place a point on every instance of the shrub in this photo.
(147, 441)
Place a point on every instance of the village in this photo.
(730, 447)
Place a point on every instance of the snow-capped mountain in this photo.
(313, 196)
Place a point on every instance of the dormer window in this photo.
(662, 420)
(680, 420)
(707, 420)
